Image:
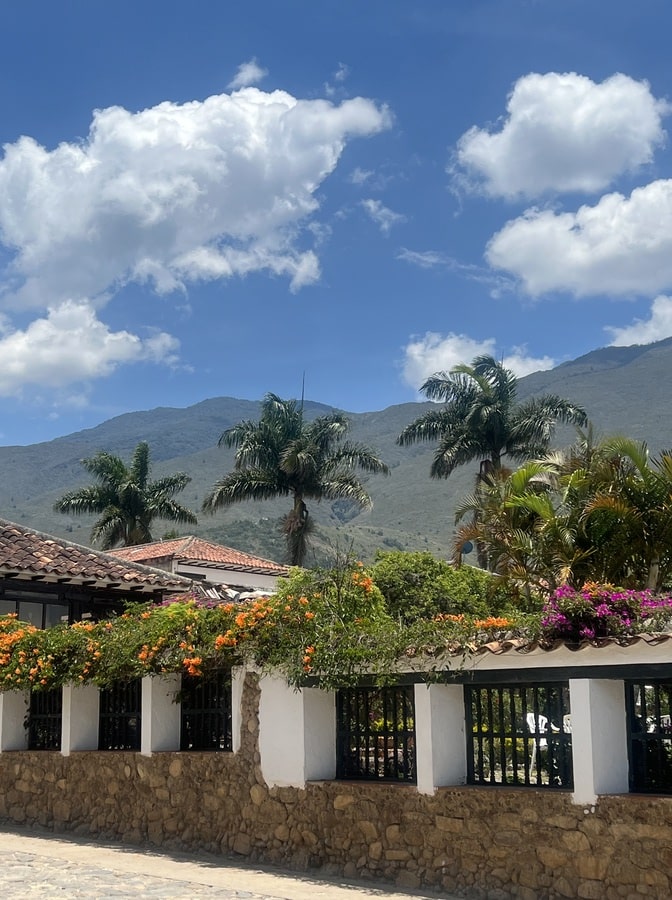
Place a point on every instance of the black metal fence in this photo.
(44, 721)
(375, 734)
(649, 718)
(206, 712)
(120, 716)
(519, 735)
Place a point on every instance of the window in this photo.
(519, 735)
(44, 719)
(206, 712)
(120, 719)
(649, 717)
(375, 734)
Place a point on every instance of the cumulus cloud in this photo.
(620, 246)
(435, 352)
(563, 132)
(147, 191)
(384, 217)
(248, 73)
(167, 196)
(70, 345)
(645, 331)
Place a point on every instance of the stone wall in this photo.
(487, 842)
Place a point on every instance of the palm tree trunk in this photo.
(296, 526)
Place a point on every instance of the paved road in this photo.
(58, 867)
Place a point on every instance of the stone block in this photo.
(591, 890)
(368, 829)
(591, 867)
(242, 844)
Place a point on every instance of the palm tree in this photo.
(126, 499)
(481, 419)
(282, 455)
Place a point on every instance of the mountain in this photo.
(625, 390)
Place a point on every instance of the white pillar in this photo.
(441, 754)
(237, 682)
(160, 714)
(599, 738)
(13, 711)
(297, 733)
(81, 710)
(319, 722)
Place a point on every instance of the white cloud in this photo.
(72, 345)
(360, 176)
(248, 73)
(341, 72)
(497, 285)
(234, 175)
(438, 353)
(166, 196)
(563, 132)
(620, 246)
(645, 331)
(384, 217)
(425, 259)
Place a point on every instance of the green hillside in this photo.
(624, 389)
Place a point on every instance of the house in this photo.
(45, 580)
(202, 560)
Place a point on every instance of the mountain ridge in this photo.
(624, 390)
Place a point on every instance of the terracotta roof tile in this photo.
(195, 550)
(25, 553)
(523, 645)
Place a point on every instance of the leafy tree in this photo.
(600, 511)
(527, 533)
(481, 419)
(417, 585)
(283, 455)
(125, 498)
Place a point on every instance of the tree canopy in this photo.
(284, 455)
(125, 498)
(482, 420)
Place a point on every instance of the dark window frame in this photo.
(120, 716)
(519, 735)
(648, 704)
(206, 712)
(44, 720)
(375, 734)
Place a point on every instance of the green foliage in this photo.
(125, 498)
(284, 455)
(332, 625)
(482, 420)
(417, 585)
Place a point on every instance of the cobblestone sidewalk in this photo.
(53, 867)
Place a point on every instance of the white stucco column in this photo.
(160, 714)
(81, 708)
(237, 682)
(297, 733)
(440, 746)
(599, 738)
(13, 712)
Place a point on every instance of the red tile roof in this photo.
(28, 554)
(190, 549)
(524, 645)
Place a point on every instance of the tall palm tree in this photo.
(481, 419)
(126, 499)
(283, 455)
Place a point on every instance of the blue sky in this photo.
(211, 199)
